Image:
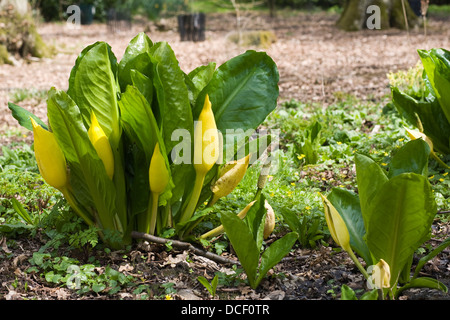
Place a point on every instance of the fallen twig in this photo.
(184, 246)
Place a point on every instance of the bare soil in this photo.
(316, 61)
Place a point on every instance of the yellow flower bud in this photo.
(269, 224)
(49, 157)
(414, 134)
(381, 275)
(206, 153)
(206, 140)
(336, 225)
(158, 173)
(229, 177)
(101, 144)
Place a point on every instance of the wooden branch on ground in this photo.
(183, 246)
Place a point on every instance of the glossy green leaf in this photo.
(243, 244)
(23, 116)
(434, 122)
(66, 120)
(436, 63)
(171, 92)
(136, 57)
(93, 87)
(347, 204)
(412, 157)
(370, 177)
(255, 219)
(140, 126)
(242, 91)
(401, 214)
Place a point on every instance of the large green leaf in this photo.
(412, 157)
(347, 204)
(136, 57)
(172, 93)
(436, 63)
(255, 219)
(402, 212)
(66, 121)
(200, 77)
(242, 91)
(141, 128)
(435, 124)
(93, 87)
(243, 244)
(370, 177)
(23, 117)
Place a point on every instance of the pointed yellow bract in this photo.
(49, 157)
(381, 275)
(101, 144)
(229, 177)
(336, 225)
(414, 134)
(206, 140)
(206, 153)
(269, 224)
(158, 173)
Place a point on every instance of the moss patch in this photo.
(20, 38)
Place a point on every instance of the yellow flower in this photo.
(444, 174)
(293, 184)
(101, 144)
(441, 180)
(206, 153)
(49, 157)
(158, 173)
(229, 177)
(431, 177)
(206, 140)
(158, 179)
(381, 275)
(336, 225)
(168, 297)
(269, 223)
(384, 164)
(339, 142)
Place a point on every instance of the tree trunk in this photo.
(355, 16)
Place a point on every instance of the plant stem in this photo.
(187, 213)
(155, 197)
(152, 213)
(358, 264)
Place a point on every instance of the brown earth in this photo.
(315, 61)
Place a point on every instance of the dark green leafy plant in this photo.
(246, 236)
(430, 113)
(139, 102)
(392, 214)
